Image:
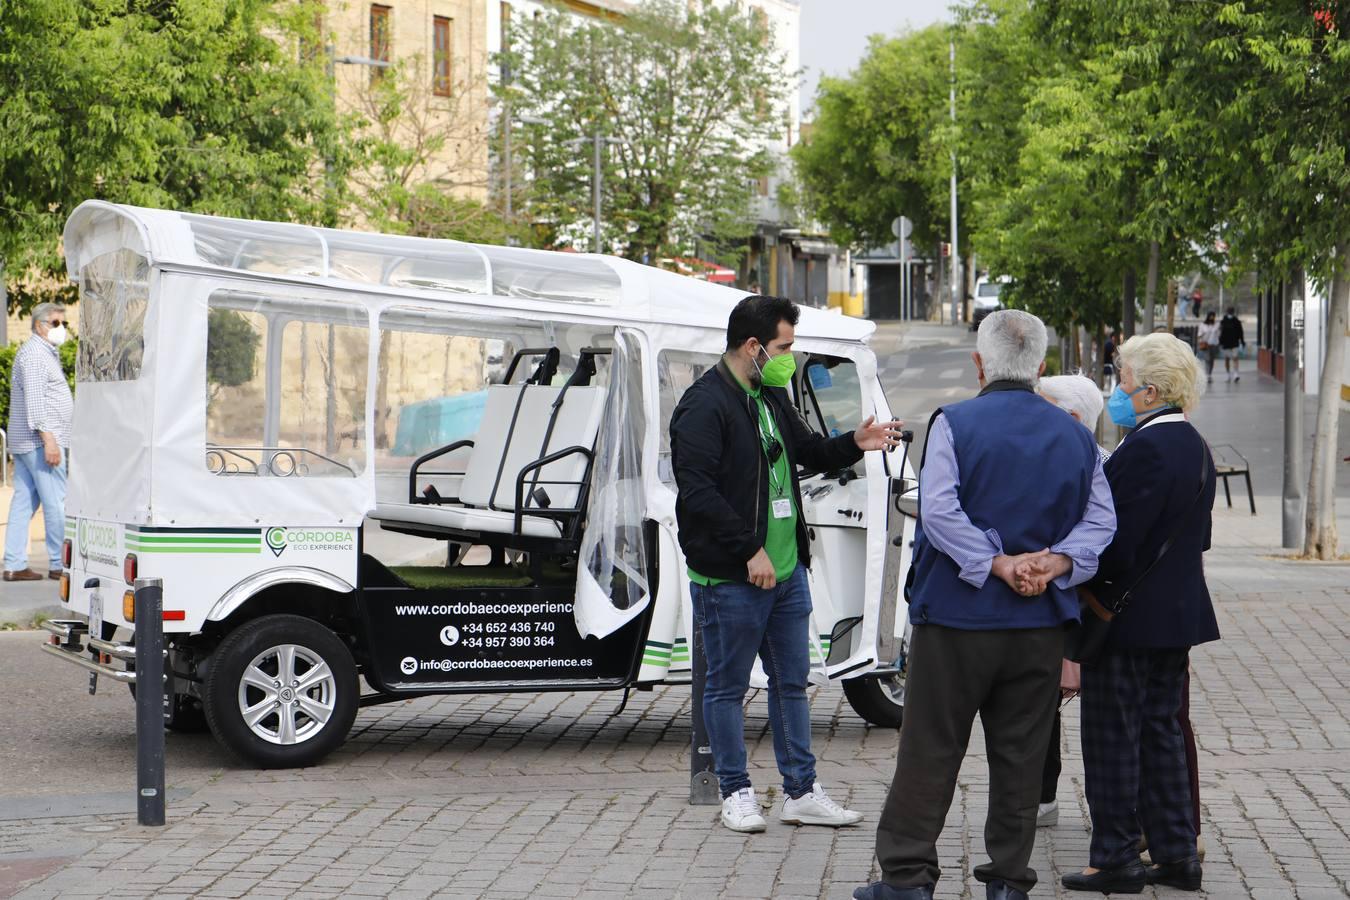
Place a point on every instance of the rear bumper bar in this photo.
(65, 644)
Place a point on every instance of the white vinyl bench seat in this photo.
(463, 518)
(522, 424)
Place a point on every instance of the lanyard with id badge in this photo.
(780, 503)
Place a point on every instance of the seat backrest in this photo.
(501, 448)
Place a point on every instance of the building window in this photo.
(441, 56)
(380, 38)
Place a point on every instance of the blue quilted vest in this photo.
(1025, 469)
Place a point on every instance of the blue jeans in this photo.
(36, 484)
(739, 621)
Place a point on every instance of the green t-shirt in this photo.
(780, 543)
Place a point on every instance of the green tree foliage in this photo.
(692, 89)
(231, 349)
(418, 157)
(202, 105)
(880, 143)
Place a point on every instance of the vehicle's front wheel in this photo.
(281, 692)
(878, 699)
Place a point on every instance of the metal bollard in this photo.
(703, 789)
(149, 701)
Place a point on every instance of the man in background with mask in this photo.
(40, 407)
(736, 440)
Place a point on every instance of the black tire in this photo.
(878, 700)
(284, 735)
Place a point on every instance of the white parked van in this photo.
(369, 467)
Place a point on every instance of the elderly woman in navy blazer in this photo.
(1162, 481)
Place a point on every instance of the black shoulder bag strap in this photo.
(1123, 601)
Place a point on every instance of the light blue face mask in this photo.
(1121, 409)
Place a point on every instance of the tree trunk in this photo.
(969, 287)
(1291, 492)
(1320, 538)
(1099, 370)
(1127, 303)
(1151, 284)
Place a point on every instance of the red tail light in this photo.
(67, 553)
(129, 568)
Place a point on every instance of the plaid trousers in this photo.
(1134, 757)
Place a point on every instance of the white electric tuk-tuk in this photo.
(368, 467)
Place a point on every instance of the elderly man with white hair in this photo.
(1013, 512)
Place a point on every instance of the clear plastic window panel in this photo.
(676, 370)
(833, 395)
(114, 296)
(613, 549)
(286, 386)
(536, 275)
(258, 246)
(433, 372)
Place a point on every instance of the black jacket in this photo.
(1230, 332)
(721, 472)
(1155, 475)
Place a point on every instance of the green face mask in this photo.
(777, 372)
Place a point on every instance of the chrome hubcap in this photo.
(894, 687)
(286, 694)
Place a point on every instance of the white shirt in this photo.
(39, 397)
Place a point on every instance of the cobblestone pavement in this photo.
(556, 795)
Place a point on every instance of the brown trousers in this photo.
(1010, 678)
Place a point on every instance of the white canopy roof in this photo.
(426, 268)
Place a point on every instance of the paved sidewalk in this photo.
(552, 796)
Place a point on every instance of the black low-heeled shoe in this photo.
(1127, 879)
(1184, 875)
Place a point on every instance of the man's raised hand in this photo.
(874, 435)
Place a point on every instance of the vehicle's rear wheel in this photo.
(281, 692)
(878, 699)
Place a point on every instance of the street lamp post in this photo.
(329, 213)
(956, 254)
(508, 165)
(598, 140)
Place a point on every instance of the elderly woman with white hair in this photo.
(1162, 479)
(1080, 397)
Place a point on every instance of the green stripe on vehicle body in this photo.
(255, 549)
(162, 539)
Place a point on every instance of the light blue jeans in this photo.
(36, 484)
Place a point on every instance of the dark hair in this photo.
(1209, 316)
(1232, 310)
(757, 316)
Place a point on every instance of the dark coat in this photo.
(722, 476)
(1154, 477)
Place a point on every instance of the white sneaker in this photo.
(740, 811)
(1047, 814)
(816, 808)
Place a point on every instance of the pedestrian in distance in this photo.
(40, 407)
(1207, 343)
(1013, 510)
(1134, 756)
(1197, 301)
(1231, 342)
(1080, 397)
(736, 440)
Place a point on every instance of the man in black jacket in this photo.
(735, 442)
(1231, 339)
